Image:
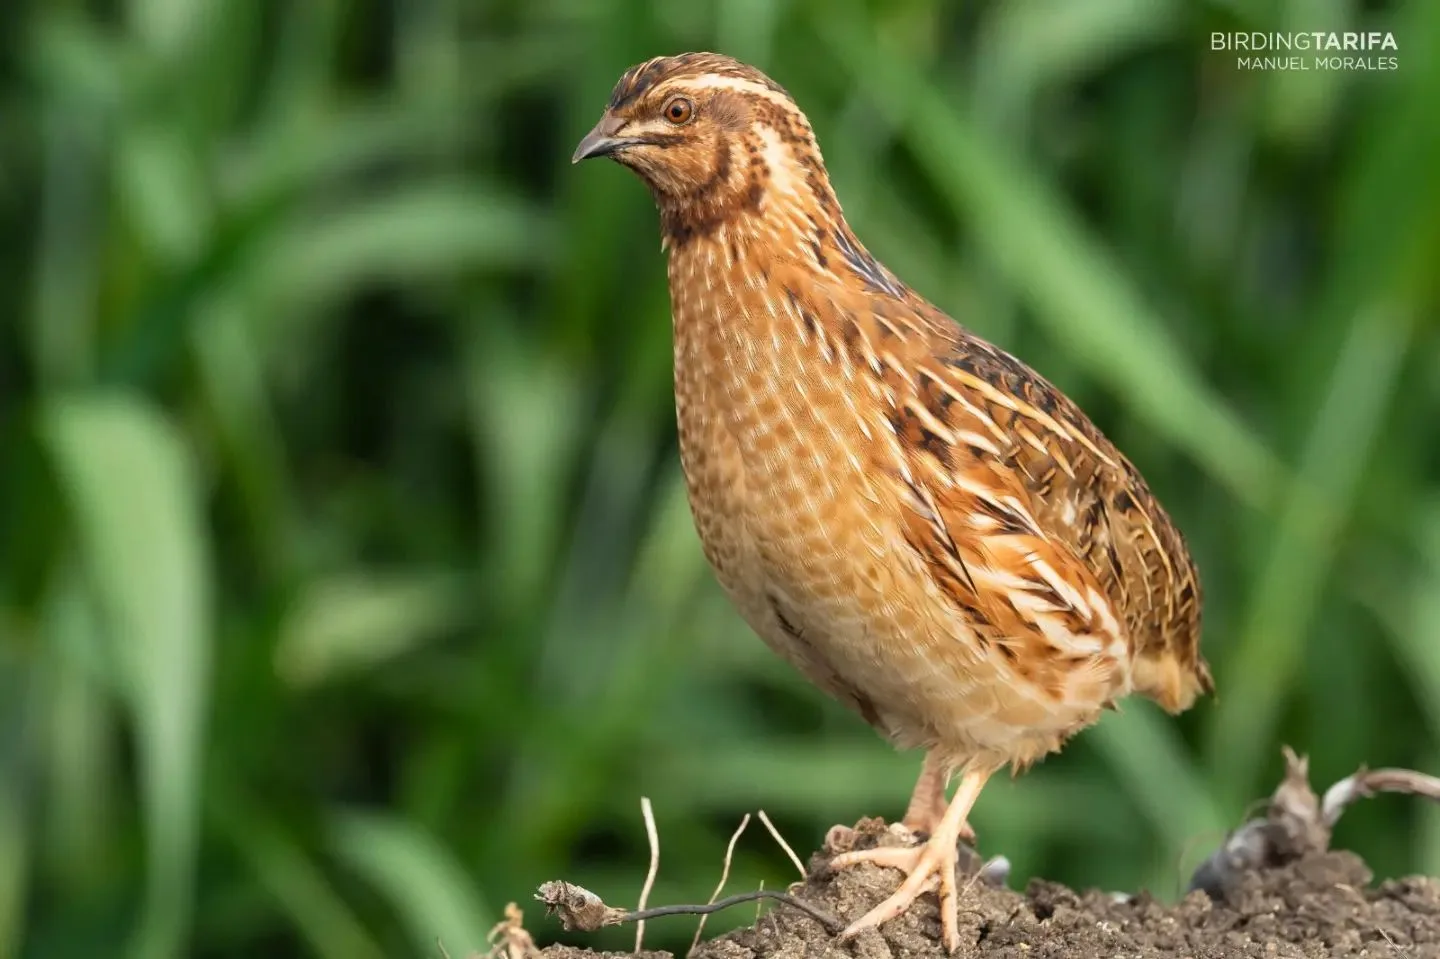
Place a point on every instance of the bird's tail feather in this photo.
(1175, 685)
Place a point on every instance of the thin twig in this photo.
(819, 915)
(580, 909)
(724, 876)
(1368, 782)
(653, 836)
(783, 844)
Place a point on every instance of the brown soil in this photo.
(1278, 891)
(1322, 905)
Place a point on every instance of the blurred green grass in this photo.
(347, 584)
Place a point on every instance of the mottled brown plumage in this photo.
(917, 521)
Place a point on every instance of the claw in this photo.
(923, 866)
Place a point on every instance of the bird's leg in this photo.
(922, 816)
(927, 802)
(936, 858)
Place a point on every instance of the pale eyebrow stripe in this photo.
(715, 81)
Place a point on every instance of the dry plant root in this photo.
(508, 940)
(724, 876)
(1298, 822)
(580, 909)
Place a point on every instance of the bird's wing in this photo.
(1011, 481)
(1026, 593)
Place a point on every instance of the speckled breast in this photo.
(799, 521)
(789, 517)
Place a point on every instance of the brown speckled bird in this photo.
(917, 521)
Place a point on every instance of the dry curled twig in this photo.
(580, 909)
(508, 939)
(1299, 823)
(1368, 782)
(653, 836)
(724, 876)
(783, 844)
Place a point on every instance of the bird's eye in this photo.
(679, 110)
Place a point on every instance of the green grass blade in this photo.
(429, 231)
(1030, 45)
(1160, 776)
(299, 887)
(1341, 439)
(356, 621)
(427, 888)
(248, 435)
(16, 853)
(1300, 104)
(1412, 618)
(524, 415)
(81, 718)
(136, 509)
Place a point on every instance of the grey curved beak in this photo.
(602, 140)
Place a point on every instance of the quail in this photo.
(918, 522)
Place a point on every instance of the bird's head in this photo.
(714, 139)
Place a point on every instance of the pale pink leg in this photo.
(927, 802)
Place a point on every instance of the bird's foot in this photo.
(923, 866)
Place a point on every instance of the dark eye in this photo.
(679, 110)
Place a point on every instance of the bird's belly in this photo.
(856, 595)
(766, 543)
(818, 567)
